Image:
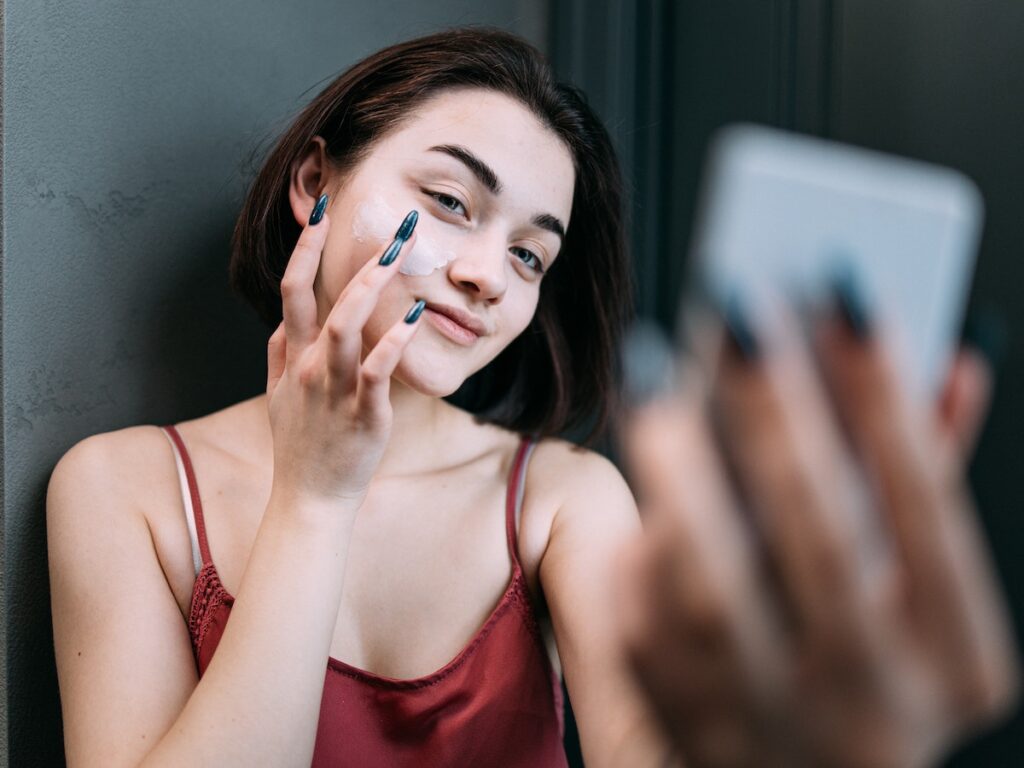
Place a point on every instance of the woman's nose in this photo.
(480, 268)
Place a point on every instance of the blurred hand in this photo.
(811, 587)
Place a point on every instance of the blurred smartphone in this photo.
(786, 212)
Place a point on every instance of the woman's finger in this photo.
(374, 382)
(700, 648)
(964, 402)
(991, 682)
(690, 682)
(895, 441)
(682, 490)
(298, 304)
(952, 596)
(343, 328)
(708, 618)
(276, 357)
(790, 461)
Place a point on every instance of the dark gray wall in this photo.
(3, 548)
(127, 136)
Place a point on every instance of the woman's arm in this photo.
(596, 515)
(128, 680)
(122, 648)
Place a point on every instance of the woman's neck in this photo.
(422, 432)
(422, 425)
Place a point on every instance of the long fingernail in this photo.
(647, 363)
(318, 210)
(849, 296)
(408, 224)
(404, 233)
(985, 331)
(415, 312)
(392, 252)
(738, 330)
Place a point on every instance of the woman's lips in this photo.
(460, 334)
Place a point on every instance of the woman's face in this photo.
(493, 187)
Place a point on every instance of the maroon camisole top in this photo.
(497, 703)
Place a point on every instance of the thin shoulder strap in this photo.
(514, 495)
(190, 498)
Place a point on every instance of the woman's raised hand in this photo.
(811, 588)
(329, 407)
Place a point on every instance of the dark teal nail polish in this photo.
(318, 210)
(408, 224)
(985, 331)
(648, 367)
(415, 312)
(741, 336)
(392, 252)
(849, 296)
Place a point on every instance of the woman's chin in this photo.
(427, 379)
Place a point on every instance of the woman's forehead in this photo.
(526, 156)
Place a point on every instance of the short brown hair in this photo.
(560, 374)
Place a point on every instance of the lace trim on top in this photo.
(208, 595)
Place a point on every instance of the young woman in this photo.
(444, 211)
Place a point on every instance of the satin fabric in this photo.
(497, 703)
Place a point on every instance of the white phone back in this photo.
(785, 212)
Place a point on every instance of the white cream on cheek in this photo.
(376, 220)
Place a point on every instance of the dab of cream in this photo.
(376, 220)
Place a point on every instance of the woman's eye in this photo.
(529, 258)
(449, 203)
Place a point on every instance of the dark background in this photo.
(126, 126)
(938, 80)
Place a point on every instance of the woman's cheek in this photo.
(338, 265)
(374, 221)
(390, 308)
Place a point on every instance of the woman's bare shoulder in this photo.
(121, 461)
(112, 483)
(563, 471)
(134, 463)
(103, 491)
(568, 483)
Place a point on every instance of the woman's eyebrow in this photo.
(486, 175)
(550, 223)
(479, 168)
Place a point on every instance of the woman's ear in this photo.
(307, 179)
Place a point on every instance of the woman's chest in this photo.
(424, 573)
(427, 563)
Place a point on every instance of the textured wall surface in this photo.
(128, 130)
(3, 562)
